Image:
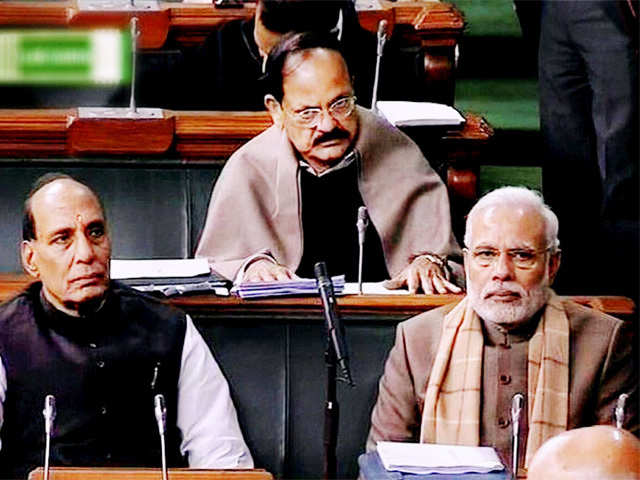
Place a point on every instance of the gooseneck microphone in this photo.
(335, 330)
(382, 38)
(619, 410)
(135, 33)
(49, 414)
(160, 411)
(517, 402)
(361, 225)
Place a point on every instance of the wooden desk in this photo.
(78, 473)
(356, 306)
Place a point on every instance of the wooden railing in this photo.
(211, 137)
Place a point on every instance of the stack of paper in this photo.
(372, 288)
(170, 276)
(300, 286)
(415, 114)
(427, 458)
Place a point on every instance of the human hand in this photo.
(263, 270)
(425, 274)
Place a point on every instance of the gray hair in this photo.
(517, 196)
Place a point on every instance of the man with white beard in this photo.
(452, 373)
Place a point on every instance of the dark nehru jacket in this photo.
(104, 371)
(329, 212)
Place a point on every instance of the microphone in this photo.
(619, 410)
(49, 414)
(335, 330)
(161, 419)
(361, 225)
(382, 38)
(517, 403)
(135, 33)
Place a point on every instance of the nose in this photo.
(503, 269)
(327, 122)
(85, 252)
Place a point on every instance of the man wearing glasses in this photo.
(453, 372)
(289, 198)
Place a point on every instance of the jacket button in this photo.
(504, 379)
(503, 422)
(103, 411)
(100, 364)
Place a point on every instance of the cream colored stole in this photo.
(451, 412)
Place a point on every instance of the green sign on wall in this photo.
(65, 57)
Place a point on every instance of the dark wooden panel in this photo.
(253, 356)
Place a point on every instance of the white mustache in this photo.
(494, 288)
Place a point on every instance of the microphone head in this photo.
(160, 412)
(382, 28)
(320, 271)
(49, 407)
(363, 214)
(619, 410)
(49, 412)
(362, 223)
(517, 402)
(381, 37)
(158, 403)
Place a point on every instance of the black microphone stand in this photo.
(331, 415)
(335, 357)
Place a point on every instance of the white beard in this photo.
(512, 313)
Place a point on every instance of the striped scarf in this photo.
(451, 412)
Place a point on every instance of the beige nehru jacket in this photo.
(601, 368)
(255, 205)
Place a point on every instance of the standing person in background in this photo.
(588, 75)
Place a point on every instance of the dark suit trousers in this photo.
(588, 73)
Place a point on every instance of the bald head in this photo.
(28, 221)
(592, 453)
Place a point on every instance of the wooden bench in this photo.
(433, 29)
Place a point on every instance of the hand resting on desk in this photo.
(265, 270)
(423, 274)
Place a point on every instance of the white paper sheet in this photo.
(419, 113)
(166, 268)
(425, 458)
(371, 288)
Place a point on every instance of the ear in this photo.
(465, 259)
(27, 255)
(554, 265)
(275, 109)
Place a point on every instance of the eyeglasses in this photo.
(522, 258)
(341, 109)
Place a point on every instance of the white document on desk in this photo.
(166, 268)
(415, 114)
(371, 288)
(426, 458)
